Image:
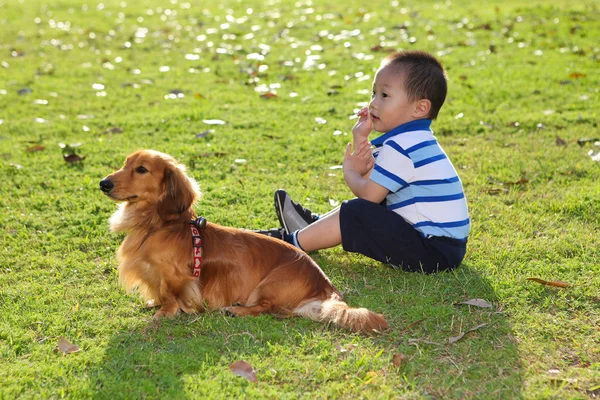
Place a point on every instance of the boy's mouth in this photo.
(374, 117)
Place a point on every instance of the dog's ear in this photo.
(179, 193)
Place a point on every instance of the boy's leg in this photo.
(321, 234)
(381, 234)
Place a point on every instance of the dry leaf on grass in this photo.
(72, 158)
(66, 347)
(213, 122)
(204, 134)
(476, 302)
(550, 283)
(455, 339)
(348, 347)
(33, 149)
(243, 369)
(399, 359)
(521, 181)
(560, 141)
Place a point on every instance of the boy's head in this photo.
(409, 85)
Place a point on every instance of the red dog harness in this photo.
(196, 225)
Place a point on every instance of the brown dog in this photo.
(243, 273)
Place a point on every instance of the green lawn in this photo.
(108, 78)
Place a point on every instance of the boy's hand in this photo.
(363, 127)
(361, 160)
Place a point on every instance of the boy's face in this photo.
(390, 106)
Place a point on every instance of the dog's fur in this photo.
(243, 273)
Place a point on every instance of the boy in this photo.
(410, 211)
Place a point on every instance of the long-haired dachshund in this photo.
(242, 273)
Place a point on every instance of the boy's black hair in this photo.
(424, 77)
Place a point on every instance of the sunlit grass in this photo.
(109, 78)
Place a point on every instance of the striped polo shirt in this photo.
(423, 185)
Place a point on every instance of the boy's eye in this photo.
(384, 95)
(373, 94)
(141, 170)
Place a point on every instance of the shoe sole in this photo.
(279, 210)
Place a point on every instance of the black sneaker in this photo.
(292, 216)
(276, 233)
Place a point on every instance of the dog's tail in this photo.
(336, 311)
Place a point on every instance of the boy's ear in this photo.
(422, 108)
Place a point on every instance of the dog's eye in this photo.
(141, 170)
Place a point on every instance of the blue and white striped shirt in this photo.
(423, 185)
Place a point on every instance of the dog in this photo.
(242, 273)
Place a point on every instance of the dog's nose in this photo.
(106, 185)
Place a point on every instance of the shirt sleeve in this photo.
(393, 168)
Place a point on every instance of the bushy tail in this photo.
(355, 319)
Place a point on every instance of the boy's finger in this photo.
(365, 147)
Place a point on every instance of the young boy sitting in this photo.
(410, 209)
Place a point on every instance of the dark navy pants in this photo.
(381, 234)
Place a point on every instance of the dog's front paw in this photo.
(226, 311)
(165, 312)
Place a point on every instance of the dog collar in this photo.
(196, 225)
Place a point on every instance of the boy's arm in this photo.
(365, 188)
(357, 168)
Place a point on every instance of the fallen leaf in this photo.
(271, 136)
(66, 347)
(243, 369)
(550, 283)
(35, 148)
(560, 142)
(346, 348)
(496, 190)
(72, 158)
(576, 75)
(268, 95)
(455, 339)
(214, 154)
(594, 156)
(519, 182)
(398, 359)
(204, 134)
(114, 129)
(476, 302)
(213, 122)
(583, 141)
(66, 146)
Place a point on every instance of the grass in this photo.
(523, 90)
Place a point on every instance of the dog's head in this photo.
(156, 179)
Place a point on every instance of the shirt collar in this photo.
(416, 125)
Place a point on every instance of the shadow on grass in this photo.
(161, 359)
(424, 314)
(189, 356)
